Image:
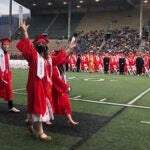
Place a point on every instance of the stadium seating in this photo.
(59, 29)
(38, 24)
(117, 20)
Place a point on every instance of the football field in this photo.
(113, 111)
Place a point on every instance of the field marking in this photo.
(20, 93)
(113, 80)
(93, 79)
(102, 100)
(109, 103)
(19, 89)
(145, 122)
(77, 96)
(71, 78)
(139, 96)
(129, 104)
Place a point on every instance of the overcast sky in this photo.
(4, 7)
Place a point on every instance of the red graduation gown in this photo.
(37, 89)
(6, 81)
(60, 96)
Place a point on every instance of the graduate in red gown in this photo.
(60, 94)
(39, 85)
(6, 75)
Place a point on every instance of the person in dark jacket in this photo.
(139, 64)
(106, 60)
(78, 63)
(121, 64)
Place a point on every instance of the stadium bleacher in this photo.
(38, 24)
(92, 25)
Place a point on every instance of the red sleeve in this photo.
(59, 59)
(0, 73)
(58, 83)
(25, 46)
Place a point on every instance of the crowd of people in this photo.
(119, 53)
(125, 39)
(112, 62)
(92, 39)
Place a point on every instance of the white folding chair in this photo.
(100, 70)
(85, 68)
(147, 71)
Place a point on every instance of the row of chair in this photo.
(23, 64)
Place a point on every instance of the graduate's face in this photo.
(5, 46)
(41, 47)
(41, 43)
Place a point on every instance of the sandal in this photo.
(29, 125)
(72, 123)
(44, 137)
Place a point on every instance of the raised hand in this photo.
(25, 29)
(73, 45)
(24, 26)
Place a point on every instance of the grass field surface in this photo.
(113, 111)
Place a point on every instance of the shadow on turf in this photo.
(88, 124)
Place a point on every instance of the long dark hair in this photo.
(61, 69)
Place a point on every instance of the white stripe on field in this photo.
(20, 93)
(102, 100)
(77, 96)
(139, 96)
(146, 122)
(71, 77)
(19, 89)
(108, 103)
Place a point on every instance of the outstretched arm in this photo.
(70, 48)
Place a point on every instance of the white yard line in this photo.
(146, 122)
(102, 100)
(19, 89)
(114, 104)
(139, 96)
(129, 104)
(20, 93)
(71, 78)
(77, 97)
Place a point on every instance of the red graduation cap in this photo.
(5, 40)
(40, 38)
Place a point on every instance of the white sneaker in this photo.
(13, 109)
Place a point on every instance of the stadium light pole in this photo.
(69, 19)
(141, 19)
(10, 19)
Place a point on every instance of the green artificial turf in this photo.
(124, 131)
